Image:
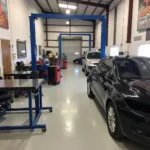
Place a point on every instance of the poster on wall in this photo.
(4, 14)
(144, 15)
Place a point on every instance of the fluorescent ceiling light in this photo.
(67, 6)
(72, 6)
(67, 22)
(76, 53)
(67, 11)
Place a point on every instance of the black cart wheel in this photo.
(113, 122)
(89, 92)
(51, 110)
(43, 129)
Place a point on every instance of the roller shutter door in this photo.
(72, 48)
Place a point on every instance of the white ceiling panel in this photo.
(54, 5)
(44, 5)
(89, 10)
(98, 11)
(81, 9)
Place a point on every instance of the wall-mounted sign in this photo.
(144, 15)
(4, 14)
(137, 38)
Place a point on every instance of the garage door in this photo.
(72, 48)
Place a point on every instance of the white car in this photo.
(91, 59)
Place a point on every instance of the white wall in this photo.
(22, 9)
(122, 25)
(19, 12)
(134, 45)
(54, 36)
(121, 29)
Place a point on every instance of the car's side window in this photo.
(105, 65)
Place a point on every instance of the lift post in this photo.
(59, 16)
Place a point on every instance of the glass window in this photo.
(144, 50)
(134, 68)
(93, 55)
(105, 65)
(114, 51)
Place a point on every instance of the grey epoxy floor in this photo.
(76, 123)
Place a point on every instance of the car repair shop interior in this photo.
(74, 74)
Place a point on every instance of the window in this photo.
(21, 49)
(114, 51)
(105, 65)
(134, 68)
(144, 50)
(93, 55)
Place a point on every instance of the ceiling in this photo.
(84, 7)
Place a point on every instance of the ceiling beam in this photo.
(49, 5)
(77, 6)
(37, 2)
(58, 7)
(47, 12)
(88, 3)
(96, 8)
(86, 8)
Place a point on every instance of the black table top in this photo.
(18, 73)
(20, 84)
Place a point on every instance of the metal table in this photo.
(19, 74)
(28, 85)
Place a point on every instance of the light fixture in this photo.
(67, 22)
(76, 53)
(67, 11)
(67, 6)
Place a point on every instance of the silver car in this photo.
(90, 60)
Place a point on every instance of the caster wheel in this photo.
(51, 110)
(44, 129)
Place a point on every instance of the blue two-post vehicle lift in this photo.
(33, 17)
(38, 101)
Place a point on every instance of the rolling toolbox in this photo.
(53, 75)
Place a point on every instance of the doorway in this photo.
(6, 56)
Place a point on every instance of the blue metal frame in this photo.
(59, 16)
(72, 34)
(32, 121)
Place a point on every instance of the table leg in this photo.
(30, 108)
(40, 96)
(37, 99)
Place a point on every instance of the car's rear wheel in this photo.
(113, 123)
(89, 91)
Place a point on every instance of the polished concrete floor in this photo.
(76, 123)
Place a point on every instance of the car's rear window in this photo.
(94, 55)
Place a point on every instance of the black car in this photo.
(122, 87)
(78, 60)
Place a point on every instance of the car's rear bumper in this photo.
(135, 126)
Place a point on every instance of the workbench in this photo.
(18, 74)
(29, 85)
